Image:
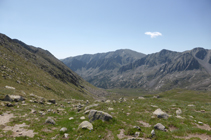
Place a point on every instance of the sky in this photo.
(75, 27)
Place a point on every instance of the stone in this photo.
(87, 112)
(9, 104)
(110, 109)
(63, 129)
(85, 125)
(137, 134)
(141, 98)
(107, 101)
(160, 114)
(90, 106)
(152, 132)
(159, 126)
(99, 115)
(66, 135)
(71, 118)
(7, 98)
(50, 121)
(82, 118)
(53, 101)
(12, 98)
(137, 127)
(9, 87)
(179, 117)
(191, 105)
(179, 111)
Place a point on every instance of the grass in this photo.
(125, 115)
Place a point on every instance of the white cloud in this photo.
(153, 34)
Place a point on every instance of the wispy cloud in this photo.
(153, 34)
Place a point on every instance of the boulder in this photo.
(152, 132)
(159, 126)
(71, 118)
(179, 111)
(160, 114)
(9, 87)
(53, 101)
(90, 106)
(9, 104)
(82, 118)
(50, 121)
(85, 125)
(63, 129)
(99, 115)
(15, 98)
(141, 98)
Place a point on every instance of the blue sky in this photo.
(74, 27)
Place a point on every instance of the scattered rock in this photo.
(110, 109)
(137, 127)
(66, 135)
(191, 105)
(86, 125)
(179, 111)
(71, 118)
(99, 115)
(82, 118)
(63, 129)
(179, 117)
(160, 114)
(141, 98)
(159, 126)
(137, 134)
(9, 104)
(107, 101)
(152, 132)
(53, 101)
(50, 121)
(12, 98)
(87, 112)
(90, 106)
(9, 87)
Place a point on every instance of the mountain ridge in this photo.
(149, 71)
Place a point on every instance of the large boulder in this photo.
(160, 114)
(159, 126)
(12, 98)
(85, 125)
(99, 115)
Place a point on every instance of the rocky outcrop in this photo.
(99, 115)
(85, 125)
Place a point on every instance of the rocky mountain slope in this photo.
(158, 71)
(37, 71)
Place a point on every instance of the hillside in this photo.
(34, 70)
(158, 71)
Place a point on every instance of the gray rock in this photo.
(159, 126)
(53, 101)
(66, 135)
(152, 132)
(12, 98)
(137, 127)
(9, 104)
(179, 111)
(137, 134)
(71, 118)
(87, 112)
(99, 115)
(90, 106)
(63, 129)
(85, 125)
(160, 114)
(50, 121)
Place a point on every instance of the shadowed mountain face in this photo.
(158, 71)
(35, 69)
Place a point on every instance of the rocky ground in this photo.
(29, 116)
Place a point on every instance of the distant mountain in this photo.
(35, 70)
(158, 71)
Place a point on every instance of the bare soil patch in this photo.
(144, 124)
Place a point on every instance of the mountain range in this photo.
(158, 71)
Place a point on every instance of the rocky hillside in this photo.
(159, 71)
(37, 71)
